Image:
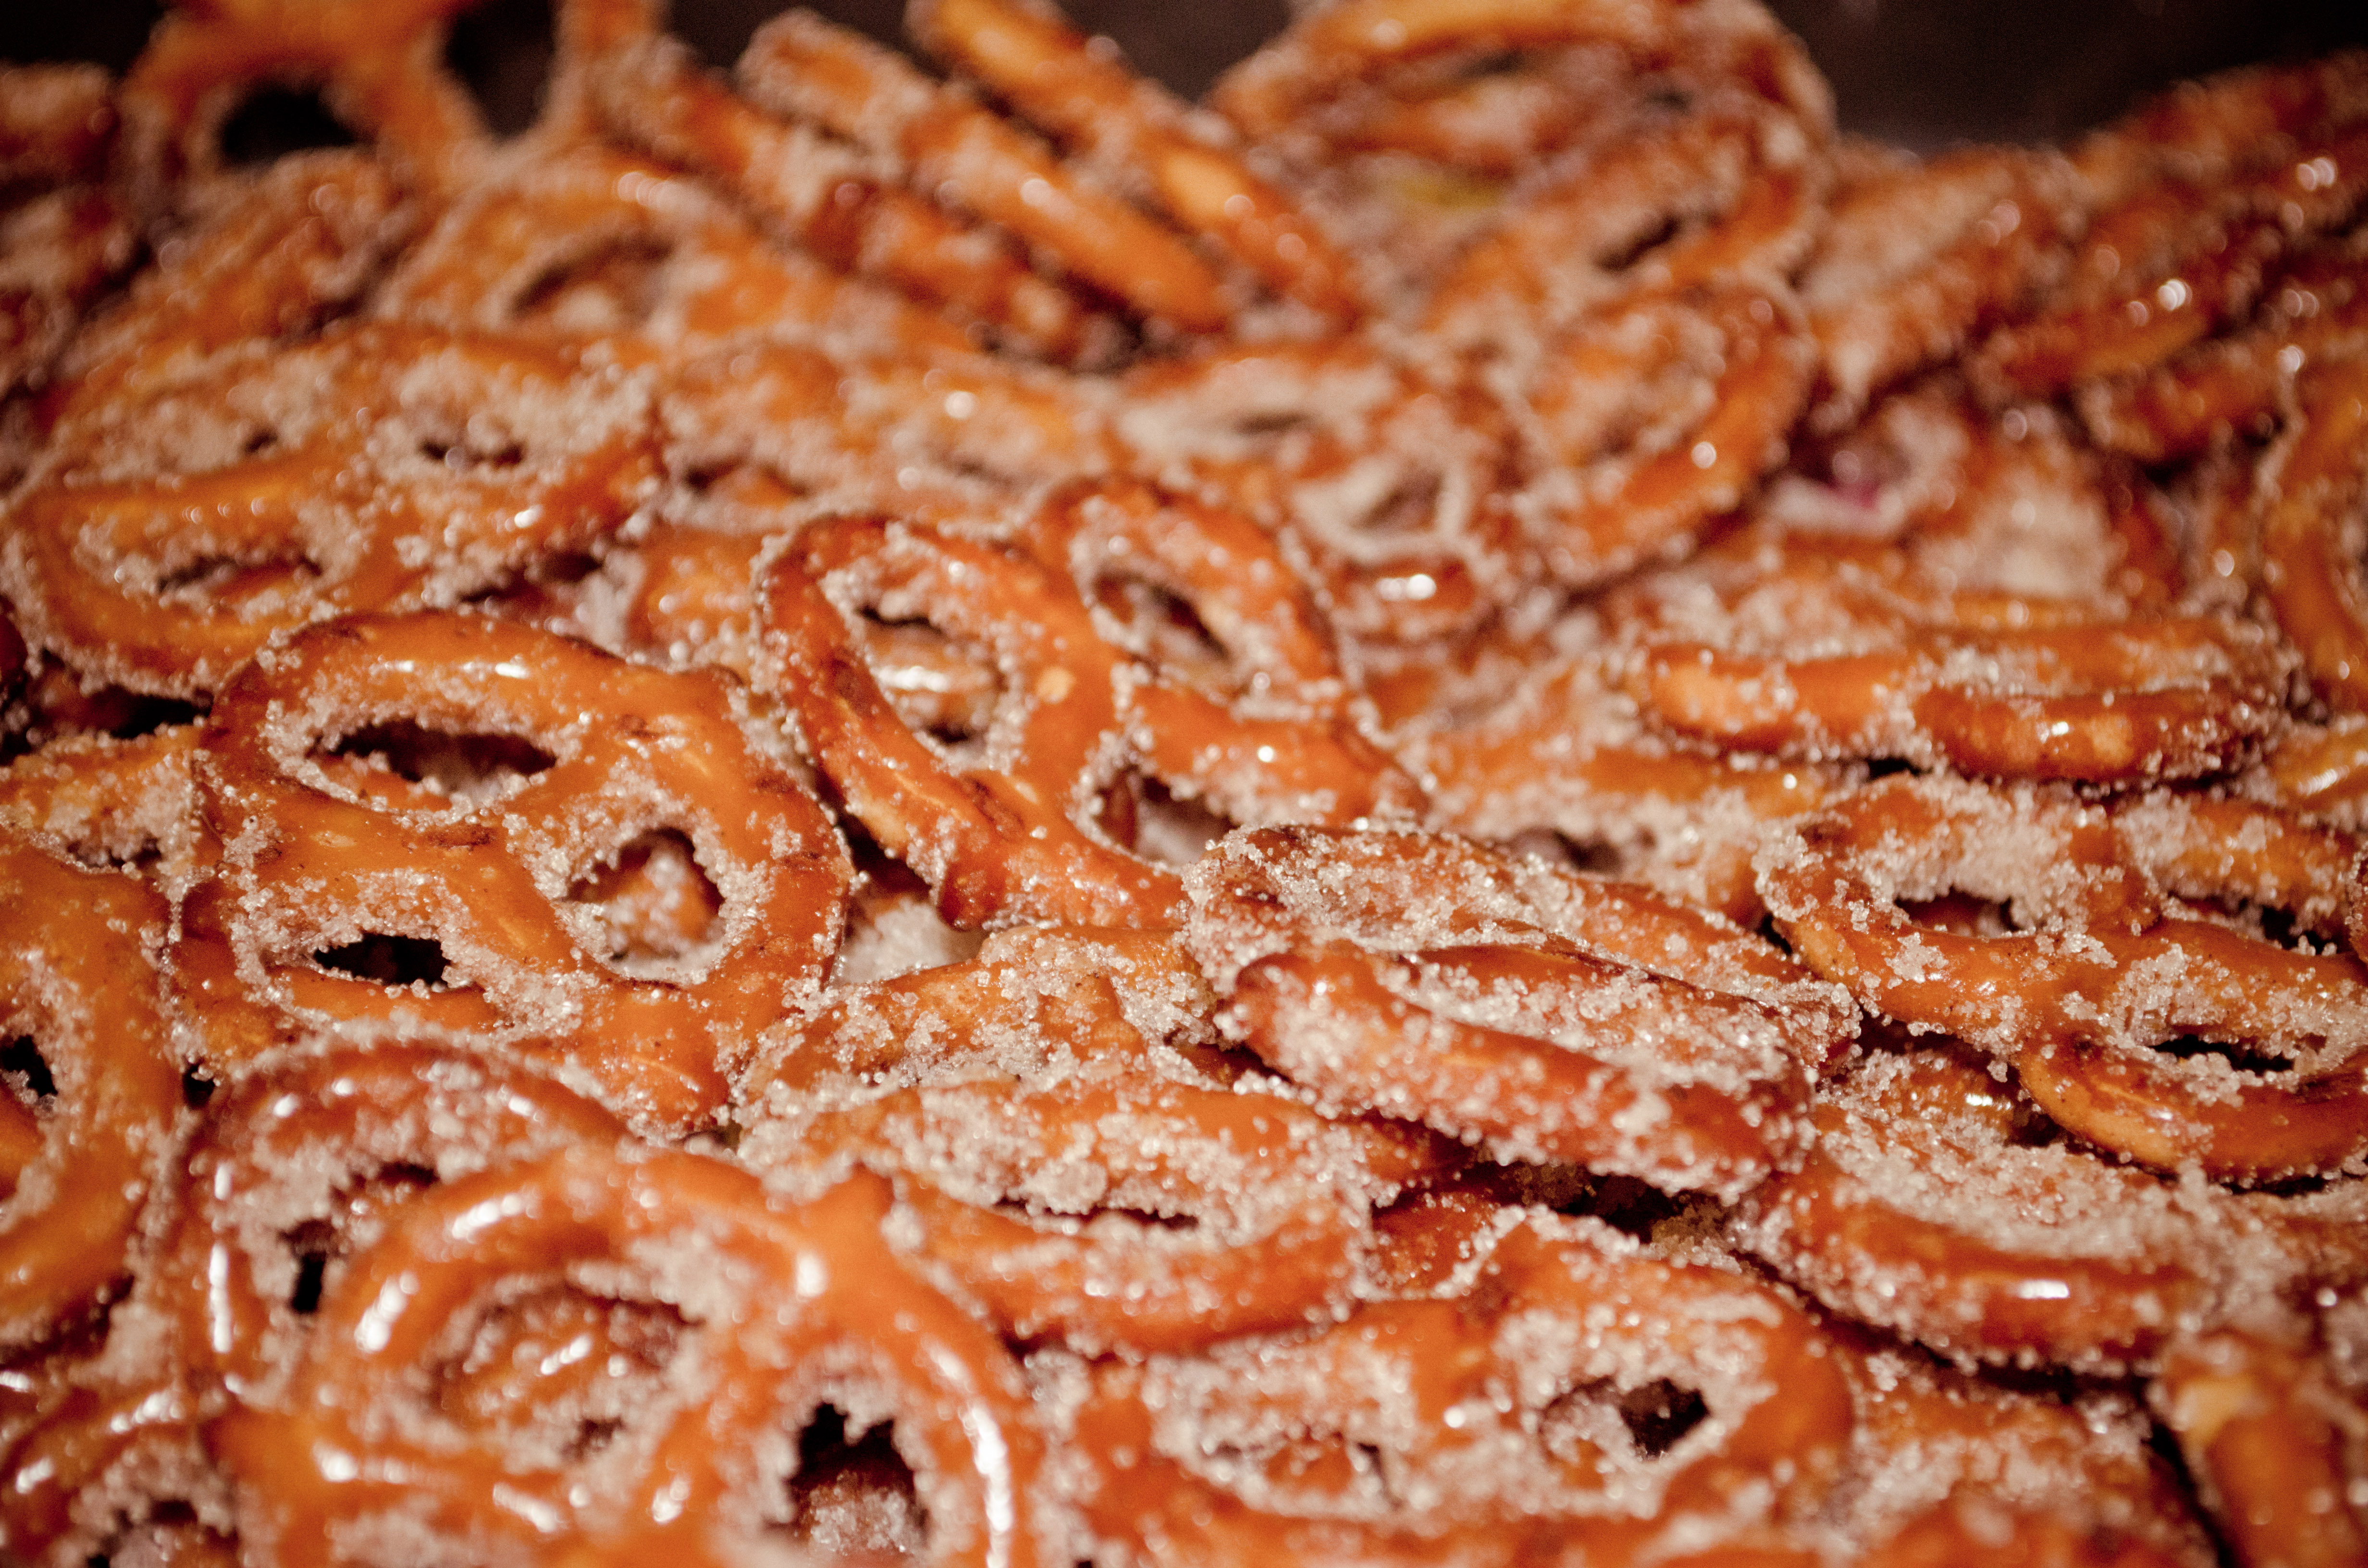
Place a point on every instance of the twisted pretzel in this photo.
(265, 495)
(813, 1301)
(378, 66)
(324, 849)
(843, 206)
(81, 981)
(2079, 1004)
(1277, 1196)
(800, 65)
(998, 822)
(1246, 705)
(1508, 1005)
(1446, 1401)
(1130, 127)
(1384, 478)
(1928, 1205)
(2310, 580)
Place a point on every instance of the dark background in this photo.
(1923, 72)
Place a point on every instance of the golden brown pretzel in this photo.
(1243, 703)
(1133, 129)
(380, 468)
(2083, 998)
(1001, 820)
(776, 1293)
(1541, 1015)
(323, 849)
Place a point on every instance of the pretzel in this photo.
(1203, 1458)
(313, 1150)
(1929, 1205)
(1465, 1007)
(2079, 1009)
(596, 242)
(2170, 699)
(1735, 190)
(997, 821)
(2261, 1421)
(323, 849)
(1384, 477)
(1921, 257)
(1319, 55)
(2313, 587)
(1278, 1197)
(63, 239)
(129, 803)
(826, 195)
(295, 246)
(1608, 503)
(2170, 266)
(2313, 310)
(1565, 755)
(379, 67)
(800, 65)
(670, 1229)
(935, 438)
(1246, 705)
(268, 495)
(1130, 127)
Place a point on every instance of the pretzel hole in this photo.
(317, 1242)
(1641, 244)
(853, 1494)
(473, 450)
(388, 960)
(558, 1370)
(274, 122)
(461, 770)
(1626, 1204)
(1163, 628)
(58, 699)
(1161, 825)
(2029, 1127)
(1963, 915)
(1408, 508)
(1272, 425)
(25, 1073)
(612, 287)
(1490, 63)
(2245, 1056)
(1659, 1415)
(1600, 1418)
(502, 53)
(1035, 1211)
(656, 905)
(30, 1089)
(741, 485)
(1595, 856)
(939, 685)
